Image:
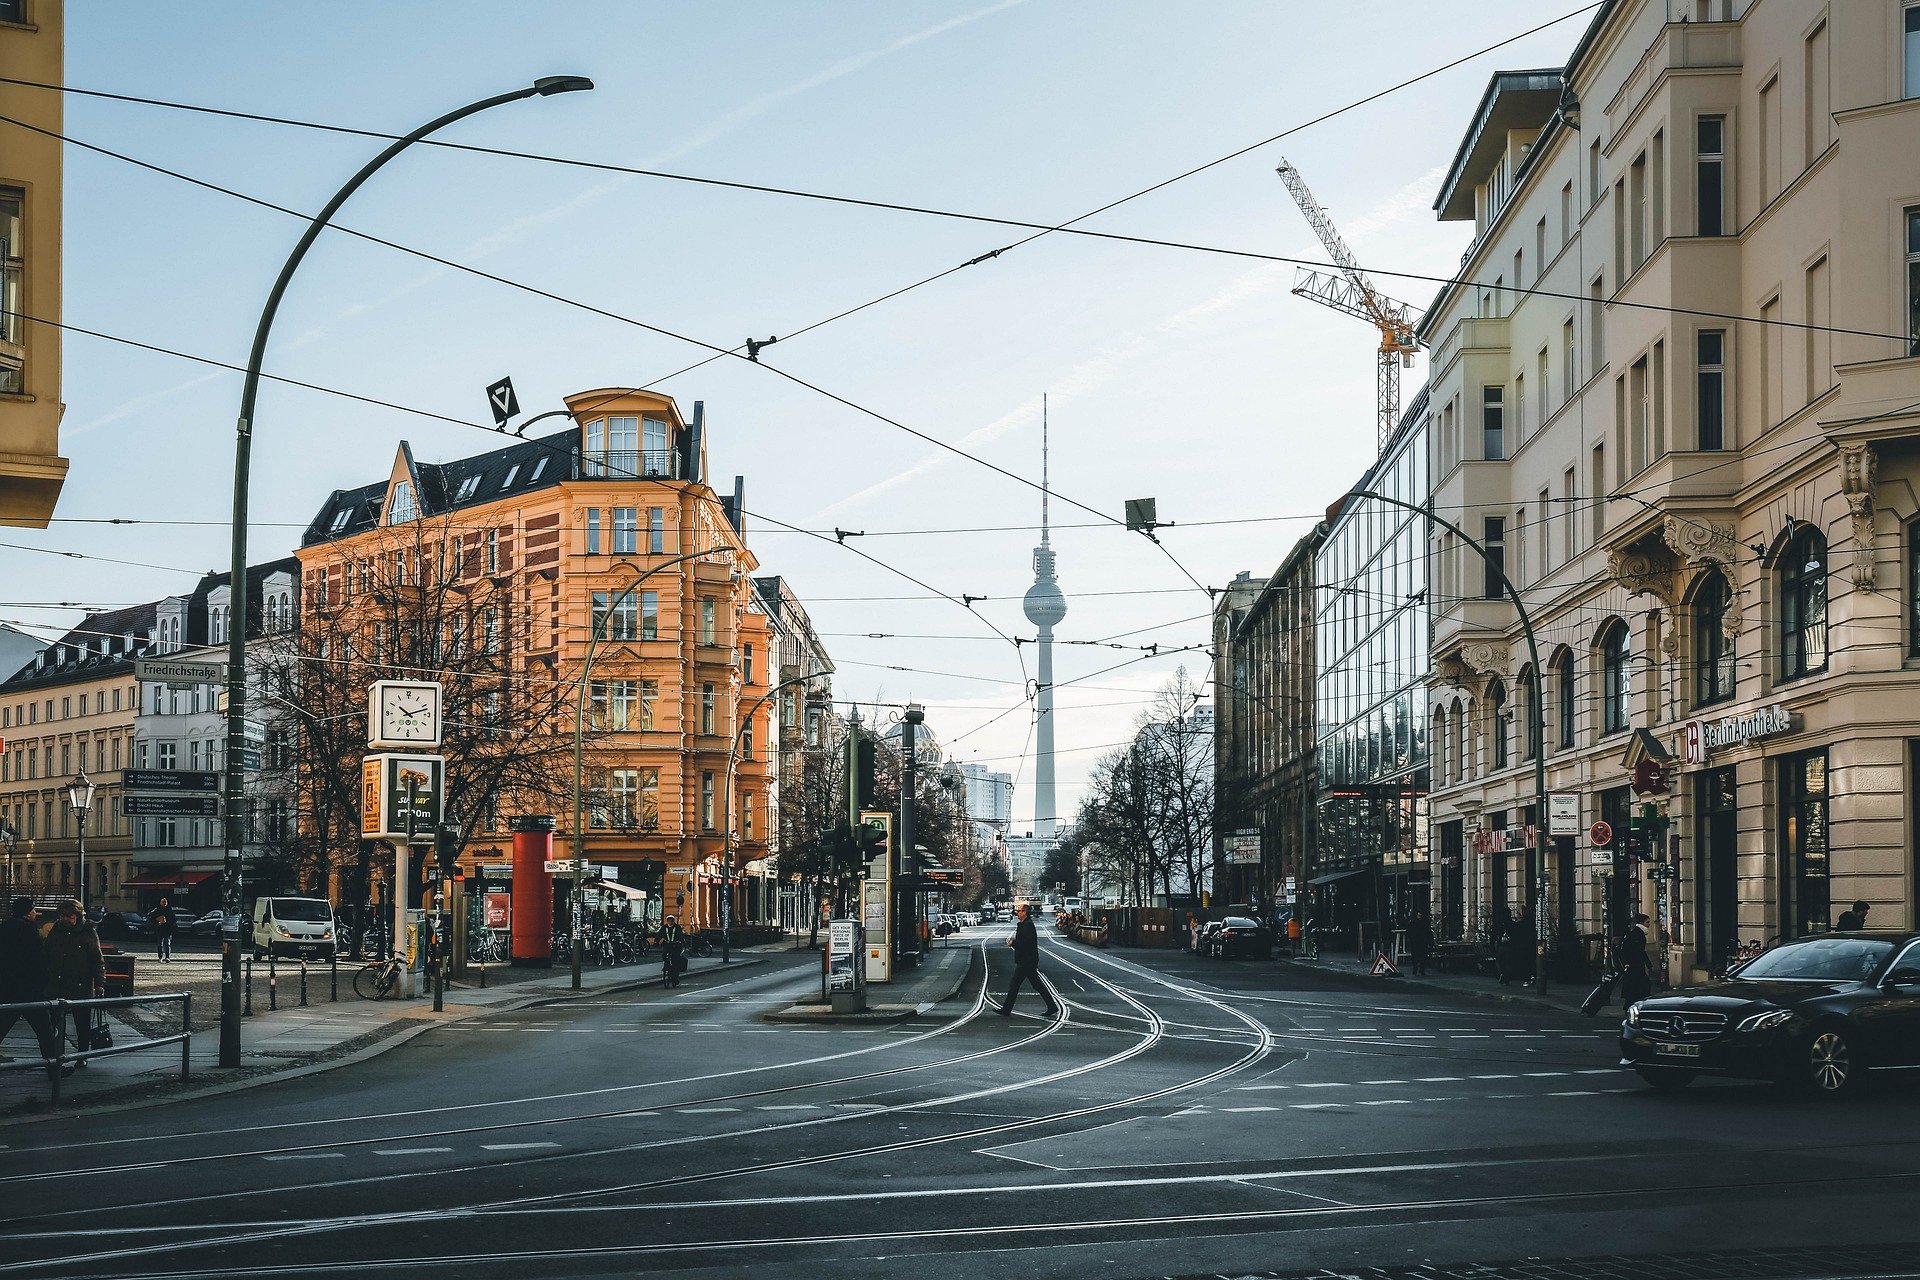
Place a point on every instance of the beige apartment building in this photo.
(1678, 396)
(32, 36)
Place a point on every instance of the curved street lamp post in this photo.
(726, 829)
(236, 684)
(579, 739)
(1536, 728)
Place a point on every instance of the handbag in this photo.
(100, 1037)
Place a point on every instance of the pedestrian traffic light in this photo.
(446, 846)
(871, 838)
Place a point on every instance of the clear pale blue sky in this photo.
(1198, 380)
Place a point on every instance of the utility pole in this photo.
(909, 856)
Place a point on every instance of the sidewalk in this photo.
(293, 1041)
(913, 992)
(1560, 997)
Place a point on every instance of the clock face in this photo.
(408, 713)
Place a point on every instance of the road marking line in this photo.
(1322, 1084)
(1259, 1088)
(1385, 1082)
(1575, 1093)
(310, 1155)
(1543, 1075)
(1598, 1071)
(1317, 1106)
(518, 1146)
(412, 1151)
(1437, 1079)
(1386, 1102)
(1238, 1109)
(791, 1106)
(703, 1111)
(1493, 1077)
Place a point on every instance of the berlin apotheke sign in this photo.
(1699, 737)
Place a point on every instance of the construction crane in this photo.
(1352, 292)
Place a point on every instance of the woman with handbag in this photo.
(75, 970)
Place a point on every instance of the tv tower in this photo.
(1045, 605)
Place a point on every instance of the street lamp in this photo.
(9, 838)
(235, 781)
(80, 796)
(726, 829)
(579, 739)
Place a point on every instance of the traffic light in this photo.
(446, 846)
(865, 787)
(870, 839)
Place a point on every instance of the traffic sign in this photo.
(1601, 833)
(170, 781)
(165, 671)
(502, 401)
(169, 806)
(1382, 967)
(565, 866)
(249, 759)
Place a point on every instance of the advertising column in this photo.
(532, 891)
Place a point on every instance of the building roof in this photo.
(1513, 100)
(439, 487)
(99, 644)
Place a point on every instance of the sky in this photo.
(1193, 378)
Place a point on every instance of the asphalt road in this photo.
(1185, 1117)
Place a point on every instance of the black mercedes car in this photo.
(1810, 1014)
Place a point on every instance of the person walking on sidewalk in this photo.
(23, 978)
(75, 970)
(673, 944)
(1420, 942)
(1853, 920)
(163, 926)
(1026, 964)
(1520, 948)
(1636, 973)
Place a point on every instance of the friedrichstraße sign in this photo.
(1699, 737)
(163, 671)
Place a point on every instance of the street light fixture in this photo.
(80, 796)
(9, 839)
(235, 780)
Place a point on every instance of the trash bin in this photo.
(117, 967)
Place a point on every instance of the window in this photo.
(1519, 406)
(1818, 351)
(708, 703)
(1910, 51)
(1540, 382)
(166, 755)
(1569, 368)
(746, 739)
(13, 291)
(1637, 197)
(707, 620)
(1543, 531)
(1913, 590)
(1493, 435)
(1499, 718)
(1710, 174)
(593, 531)
(649, 694)
(612, 447)
(540, 465)
(467, 487)
(612, 705)
(1818, 107)
(1566, 213)
(614, 618)
(512, 471)
(654, 443)
(1712, 646)
(656, 531)
(1710, 384)
(649, 615)
(1595, 188)
(1803, 605)
(493, 551)
(1803, 841)
(1564, 691)
(1596, 342)
(1769, 148)
(746, 815)
(746, 664)
(1613, 679)
(1913, 272)
(626, 530)
(1639, 408)
(1494, 542)
(706, 801)
(403, 508)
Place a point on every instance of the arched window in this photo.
(1803, 605)
(1613, 679)
(1498, 717)
(1523, 713)
(1440, 745)
(1564, 693)
(1712, 648)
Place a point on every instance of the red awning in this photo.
(167, 879)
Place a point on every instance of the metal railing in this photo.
(61, 1014)
(625, 464)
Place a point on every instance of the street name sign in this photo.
(169, 806)
(167, 671)
(170, 781)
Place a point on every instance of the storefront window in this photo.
(1716, 866)
(1806, 871)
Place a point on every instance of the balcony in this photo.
(631, 464)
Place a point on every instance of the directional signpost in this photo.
(170, 806)
(170, 781)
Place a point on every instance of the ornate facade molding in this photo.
(1642, 571)
(1488, 657)
(1697, 541)
(1858, 463)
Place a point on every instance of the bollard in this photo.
(246, 1006)
(303, 982)
(186, 1026)
(483, 975)
(333, 977)
(273, 984)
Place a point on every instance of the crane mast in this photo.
(1351, 292)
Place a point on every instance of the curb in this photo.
(788, 1016)
(1417, 984)
(398, 1032)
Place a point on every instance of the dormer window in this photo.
(340, 519)
(467, 487)
(512, 471)
(403, 508)
(538, 466)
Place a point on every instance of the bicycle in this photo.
(378, 980)
(484, 947)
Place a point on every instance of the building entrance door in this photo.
(1716, 867)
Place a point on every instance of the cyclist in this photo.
(673, 941)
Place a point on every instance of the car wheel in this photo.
(1666, 1079)
(1827, 1067)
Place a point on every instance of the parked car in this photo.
(1236, 936)
(120, 926)
(1810, 1015)
(293, 927)
(206, 926)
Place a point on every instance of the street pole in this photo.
(579, 741)
(235, 780)
(910, 855)
(726, 821)
(80, 856)
(1536, 727)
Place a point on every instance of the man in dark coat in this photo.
(1636, 974)
(164, 922)
(75, 969)
(1854, 919)
(1026, 964)
(23, 975)
(1420, 942)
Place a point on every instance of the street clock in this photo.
(403, 713)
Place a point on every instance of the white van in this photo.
(293, 927)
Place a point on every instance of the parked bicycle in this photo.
(378, 980)
(483, 946)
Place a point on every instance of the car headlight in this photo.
(284, 932)
(1633, 1014)
(1763, 1021)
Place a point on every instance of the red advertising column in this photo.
(533, 891)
